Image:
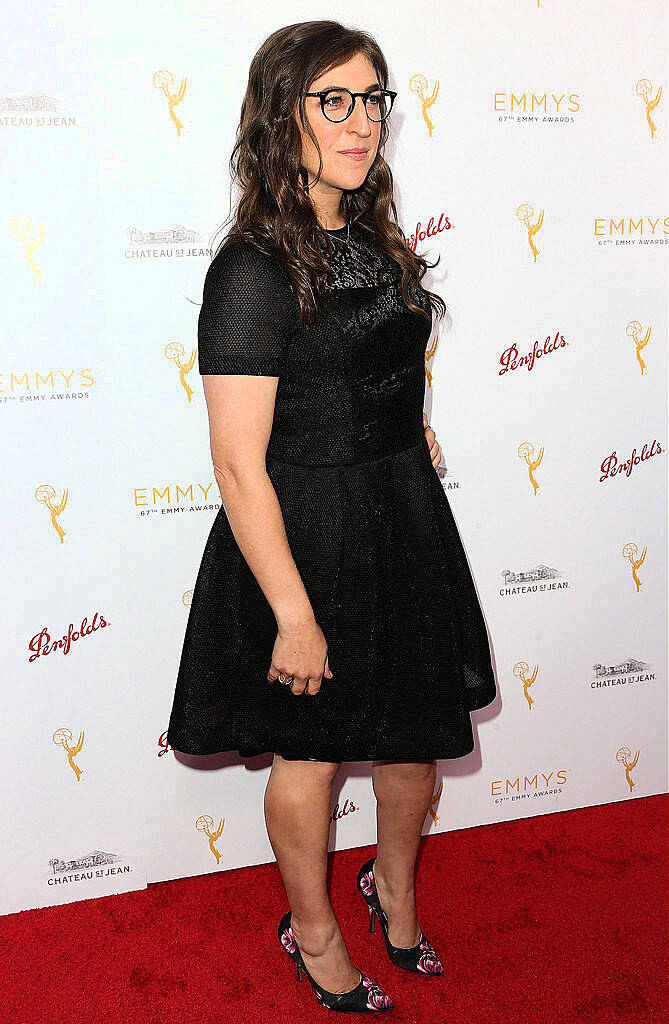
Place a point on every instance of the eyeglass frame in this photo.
(370, 92)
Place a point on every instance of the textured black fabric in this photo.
(368, 523)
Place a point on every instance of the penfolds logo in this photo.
(163, 745)
(42, 643)
(421, 233)
(348, 808)
(611, 467)
(511, 359)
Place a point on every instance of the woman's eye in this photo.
(374, 98)
(333, 100)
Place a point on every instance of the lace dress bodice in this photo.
(351, 386)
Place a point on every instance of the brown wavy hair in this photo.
(274, 211)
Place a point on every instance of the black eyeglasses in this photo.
(337, 104)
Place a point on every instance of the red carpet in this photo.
(549, 920)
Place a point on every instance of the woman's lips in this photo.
(360, 155)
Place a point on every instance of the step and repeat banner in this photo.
(529, 149)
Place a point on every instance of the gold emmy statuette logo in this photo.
(643, 89)
(435, 801)
(633, 330)
(525, 213)
(205, 823)
(521, 671)
(631, 551)
(418, 84)
(163, 80)
(63, 738)
(525, 452)
(174, 351)
(429, 352)
(46, 495)
(624, 756)
(187, 598)
(21, 229)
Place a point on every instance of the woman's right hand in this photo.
(301, 651)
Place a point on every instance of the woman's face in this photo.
(340, 172)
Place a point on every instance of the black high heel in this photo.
(420, 958)
(365, 996)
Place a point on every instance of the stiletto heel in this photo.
(421, 958)
(366, 996)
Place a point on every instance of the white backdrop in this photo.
(549, 129)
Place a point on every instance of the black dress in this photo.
(367, 520)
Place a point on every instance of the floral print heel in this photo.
(366, 996)
(420, 958)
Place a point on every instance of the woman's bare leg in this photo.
(403, 792)
(297, 815)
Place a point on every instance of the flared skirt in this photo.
(382, 561)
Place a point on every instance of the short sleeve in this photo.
(248, 313)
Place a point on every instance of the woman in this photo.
(333, 617)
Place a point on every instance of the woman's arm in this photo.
(241, 409)
(244, 329)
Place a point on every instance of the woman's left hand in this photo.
(431, 437)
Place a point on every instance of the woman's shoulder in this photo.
(239, 264)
